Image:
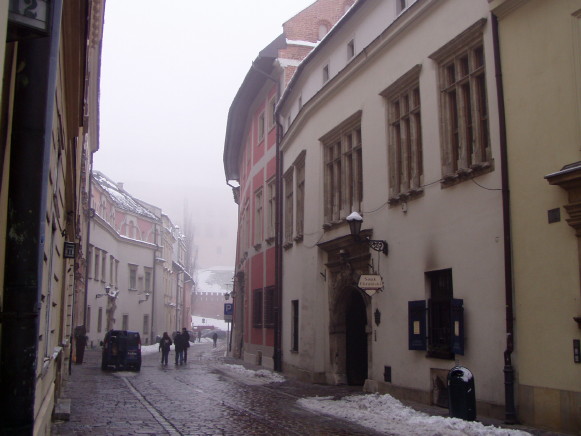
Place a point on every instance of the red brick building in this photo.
(251, 162)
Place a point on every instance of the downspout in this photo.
(278, 249)
(34, 106)
(509, 403)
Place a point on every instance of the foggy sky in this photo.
(170, 70)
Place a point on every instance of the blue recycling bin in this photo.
(461, 394)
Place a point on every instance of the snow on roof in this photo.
(215, 279)
(120, 197)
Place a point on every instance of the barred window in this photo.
(269, 307)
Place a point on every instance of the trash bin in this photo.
(461, 394)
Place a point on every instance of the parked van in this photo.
(121, 349)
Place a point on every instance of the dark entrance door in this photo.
(356, 320)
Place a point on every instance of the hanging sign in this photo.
(370, 283)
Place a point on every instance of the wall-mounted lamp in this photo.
(377, 315)
(147, 294)
(355, 221)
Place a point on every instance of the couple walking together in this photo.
(182, 343)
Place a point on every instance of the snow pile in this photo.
(262, 376)
(385, 413)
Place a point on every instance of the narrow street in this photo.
(200, 398)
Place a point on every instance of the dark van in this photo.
(121, 349)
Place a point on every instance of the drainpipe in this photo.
(509, 403)
(278, 250)
(25, 234)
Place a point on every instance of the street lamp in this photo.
(355, 221)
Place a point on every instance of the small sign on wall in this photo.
(69, 250)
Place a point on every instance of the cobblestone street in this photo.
(199, 398)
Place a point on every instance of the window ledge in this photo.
(463, 174)
(257, 247)
(404, 197)
(298, 238)
(270, 240)
(287, 245)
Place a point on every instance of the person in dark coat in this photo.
(199, 335)
(185, 344)
(164, 346)
(179, 348)
(215, 338)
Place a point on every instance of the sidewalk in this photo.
(304, 389)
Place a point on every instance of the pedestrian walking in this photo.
(215, 338)
(164, 346)
(199, 335)
(186, 344)
(179, 348)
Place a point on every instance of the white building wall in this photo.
(459, 227)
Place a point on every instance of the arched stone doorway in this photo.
(349, 311)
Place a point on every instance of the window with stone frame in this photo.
(97, 268)
(133, 277)
(288, 207)
(258, 218)
(148, 275)
(261, 127)
(465, 136)
(103, 266)
(300, 200)
(405, 152)
(343, 172)
(271, 210)
(271, 113)
(257, 308)
(125, 321)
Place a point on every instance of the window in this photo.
(288, 207)
(271, 210)
(405, 137)
(464, 107)
(300, 214)
(88, 321)
(295, 326)
(258, 217)
(133, 277)
(97, 269)
(103, 266)
(100, 320)
(445, 319)
(269, 307)
(261, 127)
(146, 324)
(271, 113)
(343, 170)
(147, 273)
(257, 308)
(350, 49)
(125, 322)
(326, 73)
